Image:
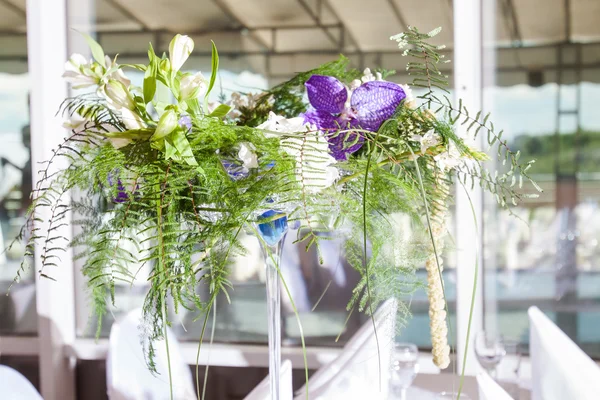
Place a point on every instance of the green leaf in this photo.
(151, 54)
(150, 82)
(96, 49)
(220, 111)
(171, 150)
(183, 147)
(213, 75)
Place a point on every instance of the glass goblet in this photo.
(405, 367)
(489, 349)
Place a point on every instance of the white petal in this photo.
(132, 120)
(120, 142)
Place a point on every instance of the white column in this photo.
(47, 53)
(468, 87)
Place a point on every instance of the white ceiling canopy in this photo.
(280, 37)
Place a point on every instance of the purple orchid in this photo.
(370, 104)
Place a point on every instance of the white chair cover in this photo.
(128, 376)
(489, 389)
(559, 368)
(14, 386)
(360, 371)
(262, 391)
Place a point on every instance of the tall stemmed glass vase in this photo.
(273, 232)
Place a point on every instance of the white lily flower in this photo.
(118, 73)
(180, 49)
(79, 72)
(131, 119)
(248, 156)
(76, 123)
(118, 95)
(192, 85)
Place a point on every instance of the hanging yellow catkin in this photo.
(437, 311)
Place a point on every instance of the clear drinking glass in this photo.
(405, 366)
(490, 350)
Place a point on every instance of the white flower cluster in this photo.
(367, 77)
(428, 140)
(310, 149)
(448, 159)
(115, 88)
(249, 101)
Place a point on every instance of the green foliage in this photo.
(164, 199)
(427, 75)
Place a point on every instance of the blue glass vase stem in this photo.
(272, 254)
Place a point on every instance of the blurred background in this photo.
(541, 82)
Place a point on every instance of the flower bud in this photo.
(180, 49)
(166, 124)
(118, 95)
(191, 86)
(131, 119)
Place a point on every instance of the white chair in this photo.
(362, 370)
(489, 389)
(14, 386)
(559, 368)
(262, 391)
(128, 376)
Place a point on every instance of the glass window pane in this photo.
(544, 97)
(17, 310)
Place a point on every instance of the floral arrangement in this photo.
(179, 178)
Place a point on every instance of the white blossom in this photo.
(249, 100)
(117, 95)
(192, 85)
(81, 73)
(79, 124)
(116, 74)
(428, 140)
(131, 119)
(369, 77)
(76, 123)
(180, 49)
(449, 159)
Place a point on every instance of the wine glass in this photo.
(405, 366)
(452, 396)
(490, 350)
